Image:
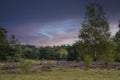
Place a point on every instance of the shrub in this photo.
(7, 65)
(88, 60)
(78, 59)
(117, 57)
(25, 65)
(107, 57)
(42, 61)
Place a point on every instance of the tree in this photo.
(4, 45)
(117, 44)
(63, 53)
(95, 31)
(30, 52)
(9, 50)
(15, 51)
(79, 50)
(75, 52)
(46, 52)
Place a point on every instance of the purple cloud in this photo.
(113, 28)
(52, 33)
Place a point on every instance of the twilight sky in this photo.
(51, 22)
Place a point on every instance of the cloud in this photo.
(51, 33)
(113, 28)
(58, 39)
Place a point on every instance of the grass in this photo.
(67, 74)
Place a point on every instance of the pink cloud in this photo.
(113, 28)
(59, 39)
(25, 30)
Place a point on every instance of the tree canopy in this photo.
(95, 32)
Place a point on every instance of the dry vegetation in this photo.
(51, 70)
(66, 74)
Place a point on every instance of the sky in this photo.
(51, 22)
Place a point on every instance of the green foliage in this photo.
(78, 59)
(94, 32)
(9, 59)
(117, 57)
(74, 52)
(88, 60)
(25, 65)
(106, 52)
(7, 65)
(3, 38)
(116, 41)
(46, 52)
(63, 53)
(53, 53)
(15, 49)
(4, 46)
(9, 50)
(72, 55)
(107, 58)
(30, 52)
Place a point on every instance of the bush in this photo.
(6, 66)
(78, 59)
(42, 61)
(117, 57)
(25, 65)
(107, 57)
(88, 60)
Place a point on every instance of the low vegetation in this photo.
(66, 74)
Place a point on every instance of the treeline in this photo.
(48, 53)
(95, 43)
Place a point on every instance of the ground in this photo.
(66, 74)
(63, 70)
